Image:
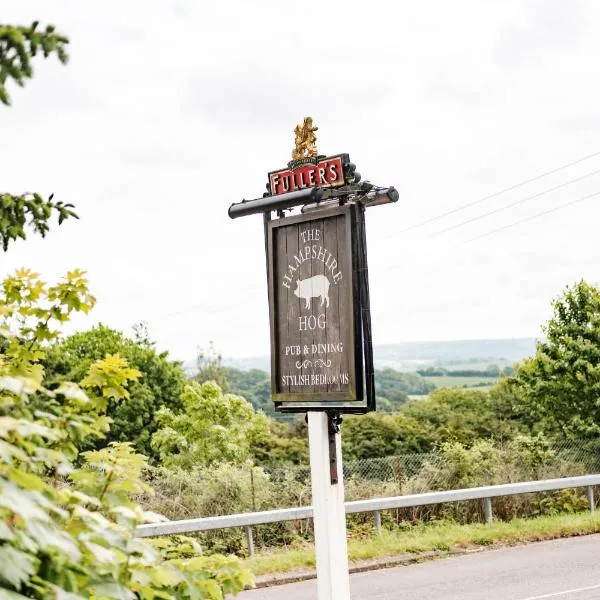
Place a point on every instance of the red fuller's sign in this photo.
(306, 173)
(309, 169)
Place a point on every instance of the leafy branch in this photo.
(29, 210)
(19, 44)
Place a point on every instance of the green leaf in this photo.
(102, 554)
(112, 591)
(6, 532)
(26, 504)
(167, 576)
(16, 567)
(50, 536)
(61, 594)
(10, 595)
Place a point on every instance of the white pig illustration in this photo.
(313, 287)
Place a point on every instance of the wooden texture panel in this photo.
(312, 308)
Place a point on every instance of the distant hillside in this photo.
(460, 350)
(410, 356)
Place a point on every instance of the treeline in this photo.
(217, 427)
(392, 388)
(226, 415)
(489, 371)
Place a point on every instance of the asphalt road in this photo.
(566, 569)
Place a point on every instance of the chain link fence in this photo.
(457, 467)
(229, 489)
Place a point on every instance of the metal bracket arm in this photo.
(334, 420)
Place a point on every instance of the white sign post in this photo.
(328, 508)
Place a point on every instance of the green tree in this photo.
(213, 427)
(461, 415)
(277, 444)
(161, 383)
(558, 389)
(396, 387)
(68, 532)
(375, 434)
(18, 46)
(254, 385)
(210, 367)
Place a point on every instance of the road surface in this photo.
(567, 569)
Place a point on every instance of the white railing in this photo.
(375, 505)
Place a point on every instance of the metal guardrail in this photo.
(375, 505)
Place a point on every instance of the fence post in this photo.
(377, 517)
(250, 540)
(487, 509)
(590, 496)
(253, 490)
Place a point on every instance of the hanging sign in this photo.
(315, 308)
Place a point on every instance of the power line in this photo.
(221, 309)
(531, 218)
(490, 196)
(509, 226)
(516, 203)
(203, 307)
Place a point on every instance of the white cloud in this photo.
(169, 112)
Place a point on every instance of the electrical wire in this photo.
(512, 204)
(222, 309)
(531, 218)
(209, 311)
(509, 226)
(490, 196)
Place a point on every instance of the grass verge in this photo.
(416, 539)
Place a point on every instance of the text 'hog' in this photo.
(313, 287)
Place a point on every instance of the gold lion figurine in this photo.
(305, 139)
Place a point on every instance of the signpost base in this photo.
(331, 546)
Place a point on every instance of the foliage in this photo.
(210, 368)
(491, 370)
(392, 387)
(67, 520)
(278, 443)
(423, 538)
(374, 435)
(422, 424)
(161, 383)
(396, 386)
(31, 311)
(213, 427)
(461, 415)
(524, 458)
(254, 385)
(19, 212)
(18, 45)
(228, 489)
(558, 390)
(67, 531)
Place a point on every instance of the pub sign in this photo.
(321, 340)
(315, 293)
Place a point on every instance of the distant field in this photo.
(475, 365)
(453, 382)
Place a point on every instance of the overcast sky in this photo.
(169, 111)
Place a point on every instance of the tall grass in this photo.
(229, 489)
(438, 536)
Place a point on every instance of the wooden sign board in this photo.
(315, 296)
